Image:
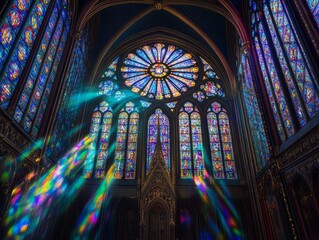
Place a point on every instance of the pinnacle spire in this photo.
(158, 153)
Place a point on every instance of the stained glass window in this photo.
(283, 32)
(98, 150)
(298, 78)
(66, 117)
(160, 71)
(273, 85)
(213, 89)
(21, 13)
(110, 71)
(314, 8)
(10, 26)
(208, 70)
(171, 105)
(220, 142)
(254, 115)
(33, 100)
(145, 104)
(152, 137)
(210, 86)
(108, 85)
(126, 142)
(191, 143)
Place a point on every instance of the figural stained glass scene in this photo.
(161, 74)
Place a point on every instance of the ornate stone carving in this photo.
(305, 169)
(158, 5)
(17, 141)
(157, 189)
(297, 151)
(10, 133)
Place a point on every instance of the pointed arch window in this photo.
(302, 85)
(18, 31)
(220, 140)
(302, 91)
(152, 137)
(273, 86)
(98, 150)
(191, 142)
(126, 142)
(34, 98)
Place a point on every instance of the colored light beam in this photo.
(30, 206)
(91, 212)
(217, 200)
(80, 98)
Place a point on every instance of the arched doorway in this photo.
(158, 223)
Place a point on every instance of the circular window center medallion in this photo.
(158, 70)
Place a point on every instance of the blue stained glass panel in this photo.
(66, 118)
(99, 149)
(185, 146)
(197, 142)
(254, 115)
(25, 42)
(273, 85)
(221, 143)
(45, 98)
(190, 142)
(27, 90)
(152, 137)
(314, 8)
(295, 55)
(131, 153)
(10, 25)
(120, 145)
(126, 142)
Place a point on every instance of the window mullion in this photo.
(283, 49)
(126, 144)
(26, 111)
(97, 145)
(48, 80)
(249, 71)
(40, 68)
(191, 141)
(208, 164)
(300, 45)
(5, 8)
(221, 143)
(281, 76)
(32, 53)
(17, 38)
(302, 40)
(272, 89)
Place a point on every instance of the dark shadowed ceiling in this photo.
(109, 22)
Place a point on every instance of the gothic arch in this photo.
(225, 8)
(304, 204)
(165, 35)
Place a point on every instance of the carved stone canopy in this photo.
(157, 189)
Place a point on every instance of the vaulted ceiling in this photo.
(208, 23)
